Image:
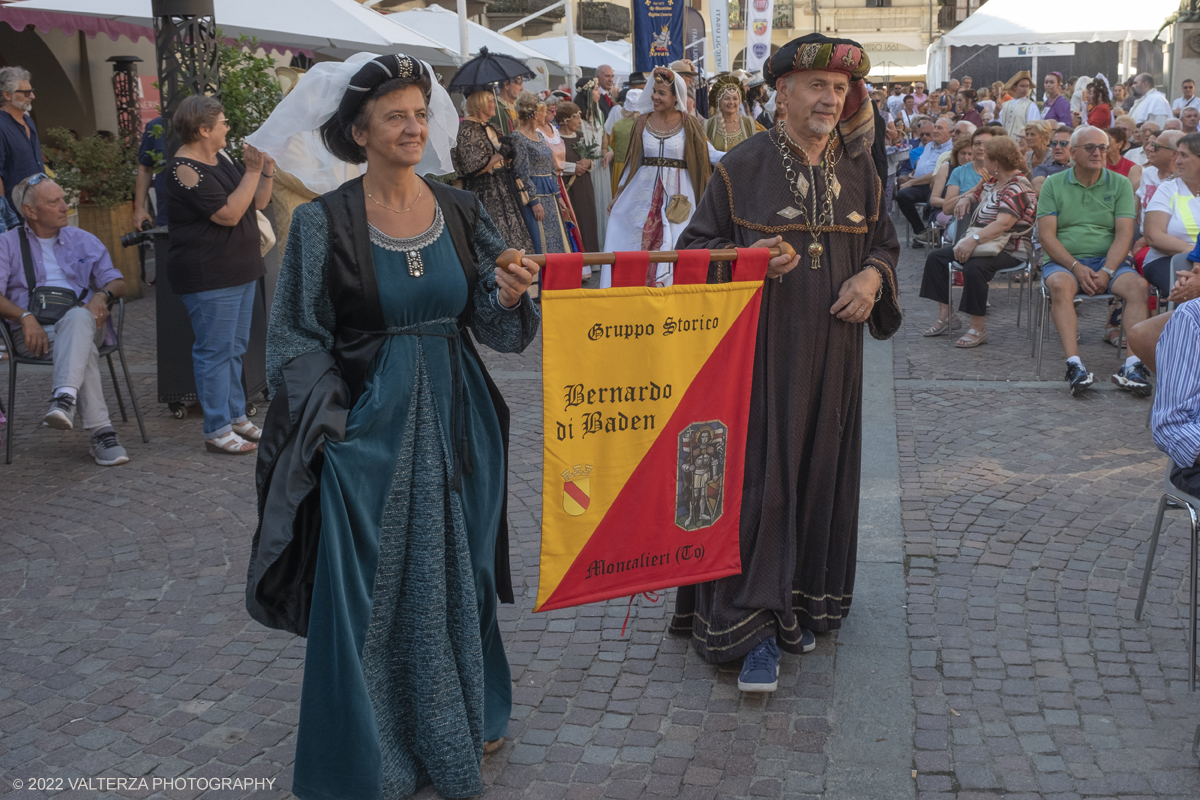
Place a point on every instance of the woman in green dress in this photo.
(406, 682)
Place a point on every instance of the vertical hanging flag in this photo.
(657, 33)
(719, 17)
(759, 14)
(646, 394)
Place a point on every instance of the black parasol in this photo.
(485, 70)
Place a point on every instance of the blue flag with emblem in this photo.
(657, 33)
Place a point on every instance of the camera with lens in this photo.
(148, 233)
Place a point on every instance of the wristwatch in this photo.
(21, 318)
(975, 236)
(111, 297)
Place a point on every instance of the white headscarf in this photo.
(291, 134)
(645, 102)
(631, 99)
(770, 106)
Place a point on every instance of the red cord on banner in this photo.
(651, 596)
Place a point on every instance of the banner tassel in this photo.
(651, 596)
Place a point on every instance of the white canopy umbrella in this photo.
(336, 28)
(440, 25)
(1006, 22)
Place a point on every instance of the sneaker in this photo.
(106, 449)
(808, 641)
(61, 413)
(1078, 377)
(928, 236)
(760, 670)
(1134, 379)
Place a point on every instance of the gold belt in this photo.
(654, 161)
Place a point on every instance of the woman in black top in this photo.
(215, 262)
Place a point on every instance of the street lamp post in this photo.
(125, 77)
(185, 43)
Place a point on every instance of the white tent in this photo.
(1002, 22)
(336, 28)
(624, 51)
(441, 25)
(588, 54)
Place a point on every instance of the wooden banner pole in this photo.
(510, 256)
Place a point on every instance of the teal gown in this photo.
(405, 674)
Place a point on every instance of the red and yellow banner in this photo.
(646, 393)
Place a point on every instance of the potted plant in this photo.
(100, 170)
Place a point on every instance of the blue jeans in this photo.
(221, 322)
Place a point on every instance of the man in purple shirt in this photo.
(67, 258)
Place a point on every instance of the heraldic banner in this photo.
(657, 33)
(646, 395)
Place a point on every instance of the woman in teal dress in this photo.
(405, 676)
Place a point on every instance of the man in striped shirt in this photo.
(1175, 419)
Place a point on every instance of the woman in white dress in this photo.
(669, 163)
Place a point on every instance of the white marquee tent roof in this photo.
(441, 25)
(588, 54)
(337, 28)
(1002, 22)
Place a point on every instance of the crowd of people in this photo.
(1092, 184)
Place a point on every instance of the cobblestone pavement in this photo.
(125, 650)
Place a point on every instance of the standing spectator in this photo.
(67, 258)
(916, 188)
(1188, 100)
(964, 107)
(896, 100)
(607, 79)
(1060, 158)
(1099, 107)
(946, 99)
(908, 111)
(215, 262)
(1189, 120)
(1151, 105)
(986, 104)
(20, 151)
(483, 160)
(1171, 222)
(1058, 107)
(1079, 103)
(1016, 113)
(1007, 206)
(999, 95)
(1085, 225)
(967, 81)
(918, 93)
(151, 157)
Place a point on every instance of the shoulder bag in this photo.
(48, 304)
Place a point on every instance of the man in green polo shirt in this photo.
(1085, 224)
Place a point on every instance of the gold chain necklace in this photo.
(397, 210)
(799, 185)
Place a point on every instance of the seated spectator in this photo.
(1037, 139)
(1145, 133)
(1125, 121)
(1006, 207)
(1173, 125)
(65, 258)
(1151, 105)
(1085, 225)
(1060, 158)
(967, 175)
(915, 188)
(1058, 106)
(1160, 167)
(918, 92)
(964, 107)
(1189, 120)
(1117, 162)
(961, 154)
(1143, 337)
(1175, 420)
(1171, 224)
(1099, 105)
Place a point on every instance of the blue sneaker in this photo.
(760, 670)
(808, 641)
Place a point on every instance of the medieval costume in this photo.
(620, 131)
(1015, 114)
(665, 175)
(390, 549)
(594, 140)
(495, 188)
(581, 195)
(714, 128)
(799, 512)
(533, 163)
(505, 120)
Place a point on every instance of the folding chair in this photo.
(106, 352)
(1040, 334)
(1182, 502)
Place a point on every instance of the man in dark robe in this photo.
(813, 183)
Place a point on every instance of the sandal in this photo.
(1112, 335)
(943, 325)
(972, 338)
(231, 444)
(247, 430)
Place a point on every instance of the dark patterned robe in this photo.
(496, 190)
(799, 515)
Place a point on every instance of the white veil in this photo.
(291, 134)
(645, 103)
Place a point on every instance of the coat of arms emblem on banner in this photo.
(577, 489)
(700, 483)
